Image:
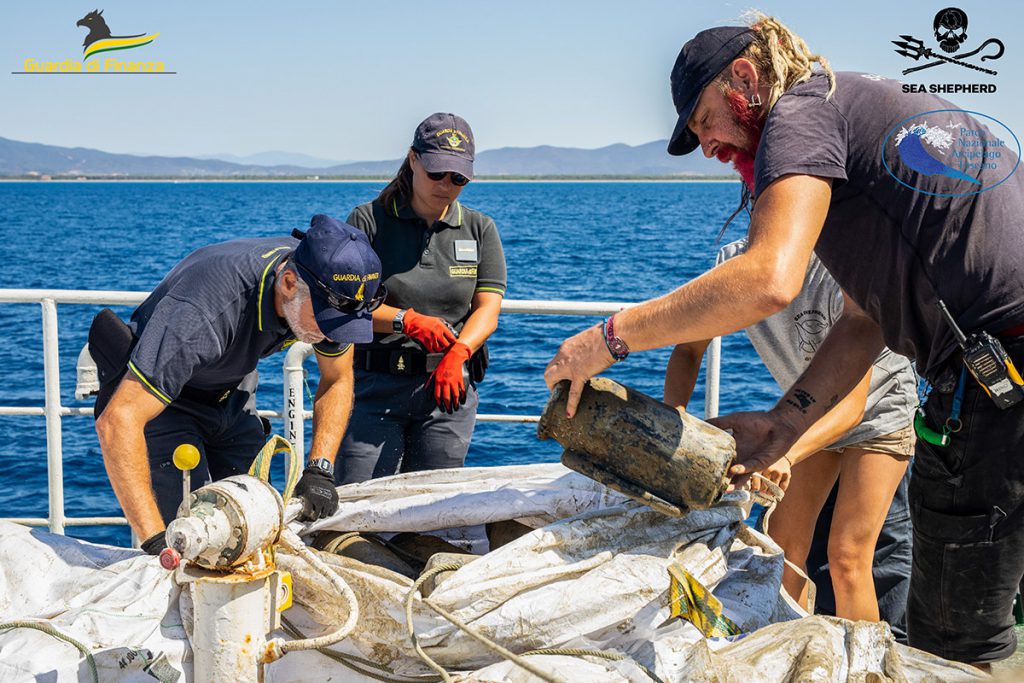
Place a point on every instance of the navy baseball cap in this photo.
(445, 143)
(699, 62)
(343, 273)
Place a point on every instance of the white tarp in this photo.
(595, 576)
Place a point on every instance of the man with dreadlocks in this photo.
(809, 147)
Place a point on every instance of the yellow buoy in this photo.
(186, 456)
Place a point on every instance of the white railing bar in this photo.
(295, 415)
(484, 417)
(88, 410)
(276, 414)
(69, 521)
(73, 296)
(54, 441)
(118, 298)
(596, 308)
(712, 375)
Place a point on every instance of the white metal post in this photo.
(711, 376)
(294, 424)
(52, 409)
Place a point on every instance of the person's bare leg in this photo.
(792, 522)
(867, 483)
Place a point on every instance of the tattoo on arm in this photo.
(803, 400)
(832, 402)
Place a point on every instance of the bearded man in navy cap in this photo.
(836, 163)
(186, 372)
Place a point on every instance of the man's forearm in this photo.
(123, 444)
(332, 407)
(717, 303)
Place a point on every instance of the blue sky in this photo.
(350, 80)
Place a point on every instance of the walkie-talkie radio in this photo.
(988, 361)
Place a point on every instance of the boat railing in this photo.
(293, 411)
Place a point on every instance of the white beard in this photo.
(293, 316)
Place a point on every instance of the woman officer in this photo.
(444, 269)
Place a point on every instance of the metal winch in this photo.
(221, 547)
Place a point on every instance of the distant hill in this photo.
(19, 159)
(275, 158)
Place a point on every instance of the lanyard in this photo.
(952, 425)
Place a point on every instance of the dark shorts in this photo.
(890, 569)
(397, 427)
(228, 436)
(967, 506)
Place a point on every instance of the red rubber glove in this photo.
(433, 333)
(449, 386)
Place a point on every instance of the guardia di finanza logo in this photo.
(101, 41)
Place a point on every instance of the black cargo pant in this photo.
(397, 426)
(967, 506)
(228, 435)
(890, 569)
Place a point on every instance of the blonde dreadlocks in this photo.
(782, 57)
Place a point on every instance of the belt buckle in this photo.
(400, 363)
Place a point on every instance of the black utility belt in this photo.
(408, 361)
(403, 361)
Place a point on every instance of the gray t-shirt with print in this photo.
(788, 340)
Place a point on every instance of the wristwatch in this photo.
(616, 346)
(398, 322)
(324, 465)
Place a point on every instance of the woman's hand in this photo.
(779, 473)
(449, 385)
(433, 333)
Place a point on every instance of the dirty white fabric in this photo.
(593, 577)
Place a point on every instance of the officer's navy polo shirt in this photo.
(433, 269)
(212, 318)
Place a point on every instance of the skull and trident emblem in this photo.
(950, 29)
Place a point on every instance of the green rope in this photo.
(351, 660)
(47, 628)
(305, 380)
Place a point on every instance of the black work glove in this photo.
(154, 544)
(319, 497)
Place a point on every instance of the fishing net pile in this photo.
(567, 576)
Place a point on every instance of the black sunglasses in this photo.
(340, 302)
(458, 179)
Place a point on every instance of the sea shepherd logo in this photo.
(100, 41)
(949, 28)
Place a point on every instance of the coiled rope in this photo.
(355, 663)
(518, 660)
(278, 647)
(46, 628)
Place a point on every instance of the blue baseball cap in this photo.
(343, 273)
(699, 62)
(445, 143)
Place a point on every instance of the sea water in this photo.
(576, 241)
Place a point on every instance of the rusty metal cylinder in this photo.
(639, 446)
